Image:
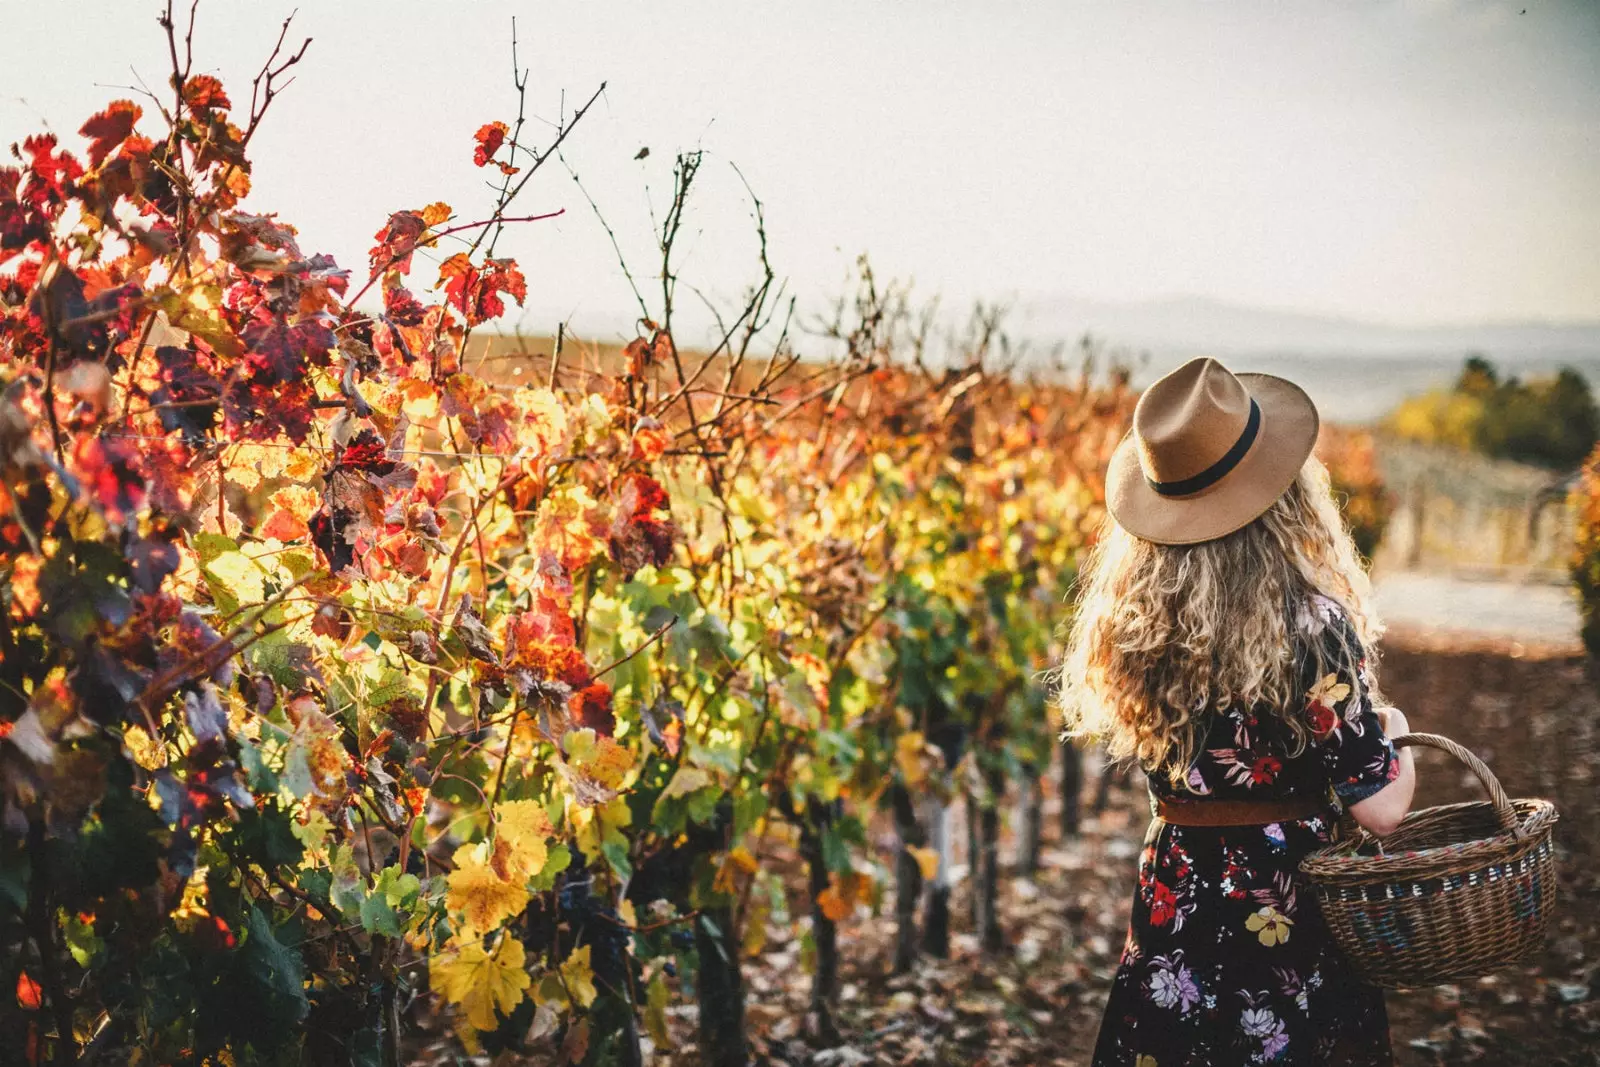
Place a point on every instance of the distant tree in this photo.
(1548, 422)
(1478, 377)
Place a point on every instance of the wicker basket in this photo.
(1456, 892)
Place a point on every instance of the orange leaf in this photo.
(284, 526)
(28, 992)
(110, 128)
(489, 138)
(203, 92)
(834, 905)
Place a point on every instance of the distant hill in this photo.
(1183, 326)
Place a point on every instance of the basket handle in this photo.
(1497, 794)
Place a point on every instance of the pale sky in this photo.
(1410, 162)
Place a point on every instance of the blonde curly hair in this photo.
(1166, 636)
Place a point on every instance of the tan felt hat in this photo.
(1209, 452)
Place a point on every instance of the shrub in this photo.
(1585, 499)
(1351, 457)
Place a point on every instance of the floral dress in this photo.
(1228, 961)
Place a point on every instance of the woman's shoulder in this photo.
(1320, 619)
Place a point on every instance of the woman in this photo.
(1221, 639)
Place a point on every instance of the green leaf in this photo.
(263, 779)
(275, 971)
(398, 888)
(378, 917)
(208, 546)
(747, 809)
(558, 860)
(703, 805)
(348, 892)
(81, 939)
(616, 854)
(266, 836)
(835, 855)
(296, 779)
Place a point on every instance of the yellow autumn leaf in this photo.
(298, 500)
(525, 829)
(240, 576)
(568, 524)
(600, 824)
(482, 897)
(655, 1012)
(755, 929)
(436, 212)
(927, 861)
(146, 751)
(598, 761)
(738, 859)
(481, 982)
(685, 781)
(578, 976)
(908, 753)
(301, 464)
(544, 421)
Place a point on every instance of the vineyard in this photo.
(342, 681)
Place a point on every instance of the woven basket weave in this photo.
(1455, 892)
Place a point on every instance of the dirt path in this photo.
(1541, 613)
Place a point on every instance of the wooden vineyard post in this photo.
(907, 877)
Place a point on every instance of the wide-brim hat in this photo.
(1209, 452)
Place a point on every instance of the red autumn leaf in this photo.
(109, 472)
(642, 531)
(650, 440)
(547, 623)
(204, 93)
(401, 307)
(551, 663)
(109, 129)
(487, 418)
(19, 223)
(253, 411)
(29, 994)
(591, 707)
(489, 138)
(51, 173)
(476, 292)
(281, 353)
(396, 241)
(367, 452)
(284, 526)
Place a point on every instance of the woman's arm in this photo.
(1382, 811)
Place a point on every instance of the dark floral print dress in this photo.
(1227, 960)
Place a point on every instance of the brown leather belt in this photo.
(1239, 812)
